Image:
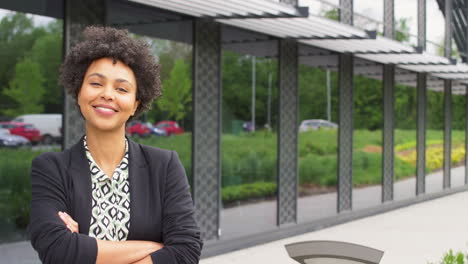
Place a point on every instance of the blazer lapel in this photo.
(138, 178)
(81, 186)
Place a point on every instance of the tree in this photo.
(17, 36)
(177, 92)
(26, 88)
(47, 52)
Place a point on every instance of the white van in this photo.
(50, 125)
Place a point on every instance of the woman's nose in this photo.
(108, 93)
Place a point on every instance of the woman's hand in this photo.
(69, 222)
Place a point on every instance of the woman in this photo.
(108, 199)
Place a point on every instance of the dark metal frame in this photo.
(288, 133)
(206, 137)
(388, 109)
(448, 97)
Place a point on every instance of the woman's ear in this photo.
(135, 107)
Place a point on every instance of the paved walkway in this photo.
(412, 235)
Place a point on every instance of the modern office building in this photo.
(252, 68)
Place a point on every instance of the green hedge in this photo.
(248, 191)
(15, 184)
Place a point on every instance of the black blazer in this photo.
(161, 207)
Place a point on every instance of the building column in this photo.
(288, 132)
(388, 132)
(388, 110)
(421, 133)
(345, 118)
(78, 15)
(447, 98)
(421, 106)
(466, 134)
(207, 126)
(447, 132)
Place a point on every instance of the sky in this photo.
(371, 8)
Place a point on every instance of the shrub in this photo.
(320, 170)
(248, 191)
(453, 258)
(15, 185)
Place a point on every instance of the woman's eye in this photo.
(122, 90)
(95, 84)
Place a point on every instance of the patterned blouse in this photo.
(110, 217)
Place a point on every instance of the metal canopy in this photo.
(284, 21)
(228, 8)
(299, 28)
(407, 59)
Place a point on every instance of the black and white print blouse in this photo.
(110, 217)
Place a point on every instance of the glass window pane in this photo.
(317, 144)
(168, 124)
(367, 136)
(249, 134)
(31, 53)
(435, 140)
(405, 137)
(458, 140)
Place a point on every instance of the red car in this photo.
(171, 127)
(138, 128)
(23, 129)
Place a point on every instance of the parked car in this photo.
(49, 125)
(138, 128)
(248, 127)
(23, 129)
(156, 131)
(171, 127)
(12, 141)
(315, 124)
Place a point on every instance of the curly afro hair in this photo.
(100, 42)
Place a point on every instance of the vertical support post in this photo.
(466, 134)
(345, 132)
(288, 132)
(388, 132)
(421, 134)
(346, 11)
(389, 19)
(447, 97)
(447, 132)
(465, 13)
(207, 126)
(388, 110)
(421, 106)
(345, 118)
(78, 15)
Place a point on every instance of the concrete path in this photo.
(261, 217)
(411, 235)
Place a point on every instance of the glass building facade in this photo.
(259, 121)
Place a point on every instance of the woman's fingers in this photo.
(71, 224)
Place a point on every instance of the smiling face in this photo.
(107, 97)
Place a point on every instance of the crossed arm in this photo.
(136, 252)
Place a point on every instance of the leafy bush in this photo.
(248, 191)
(321, 170)
(453, 258)
(15, 185)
